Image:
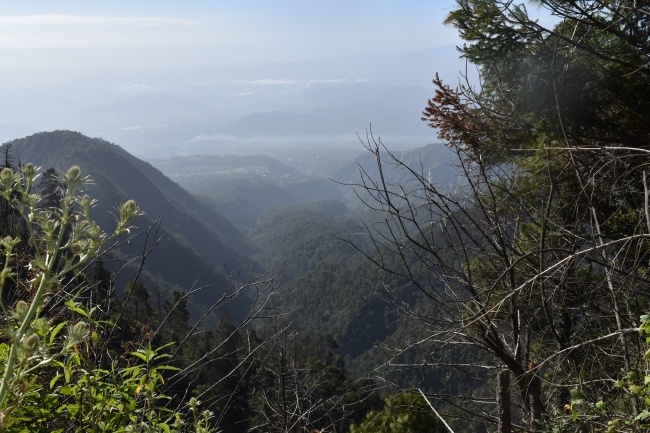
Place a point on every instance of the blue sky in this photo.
(135, 34)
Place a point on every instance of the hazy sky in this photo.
(159, 33)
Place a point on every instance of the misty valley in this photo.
(232, 251)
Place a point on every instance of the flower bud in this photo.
(31, 344)
(77, 333)
(20, 310)
(7, 177)
(8, 242)
(29, 170)
(194, 403)
(81, 329)
(48, 226)
(129, 210)
(41, 326)
(73, 179)
(86, 202)
(75, 247)
(73, 174)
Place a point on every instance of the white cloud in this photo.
(131, 88)
(278, 82)
(272, 82)
(132, 128)
(66, 20)
(287, 81)
(210, 137)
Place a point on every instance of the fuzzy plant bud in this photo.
(73, 179)
(80, 329)
(20, 310)
(76, 247)
(77, 333)
(95, 235)
(7, 177)
(41, 326)
(29, 170)
(48, 227)
(73, 174)
(194, 403)
(31, 344)
(129, 210)
(9, 243)
(86, 203)
(31, 200)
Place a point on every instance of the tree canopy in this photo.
(537, 260)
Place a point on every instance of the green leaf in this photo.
(73, 409)
(577, 394)
(56, 330)
(80, 311)
(66, 390)
(51, 401)
(643, 415)
(140, 355)
(167, 367)
(54, 379)
(635, 389)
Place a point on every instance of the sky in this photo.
(98, 67)
(172, 34)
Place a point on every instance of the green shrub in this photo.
(57, 374)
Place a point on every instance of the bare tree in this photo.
(505, 268)
(536, 259)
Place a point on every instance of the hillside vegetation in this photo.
(201, 247)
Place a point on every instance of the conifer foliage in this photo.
(536, 262)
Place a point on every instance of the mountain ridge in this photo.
(203, 247)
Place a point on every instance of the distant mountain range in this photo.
(243, 187)
(158, 113)
(434, 161)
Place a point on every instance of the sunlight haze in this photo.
(124, 35)
(169, 78)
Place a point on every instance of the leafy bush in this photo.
(57, 374)
(625, 409)
(402, 413)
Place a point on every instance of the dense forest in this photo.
(492, 282)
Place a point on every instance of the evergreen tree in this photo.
(51, 188)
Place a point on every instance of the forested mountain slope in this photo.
(202, 247)
(326, 285)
